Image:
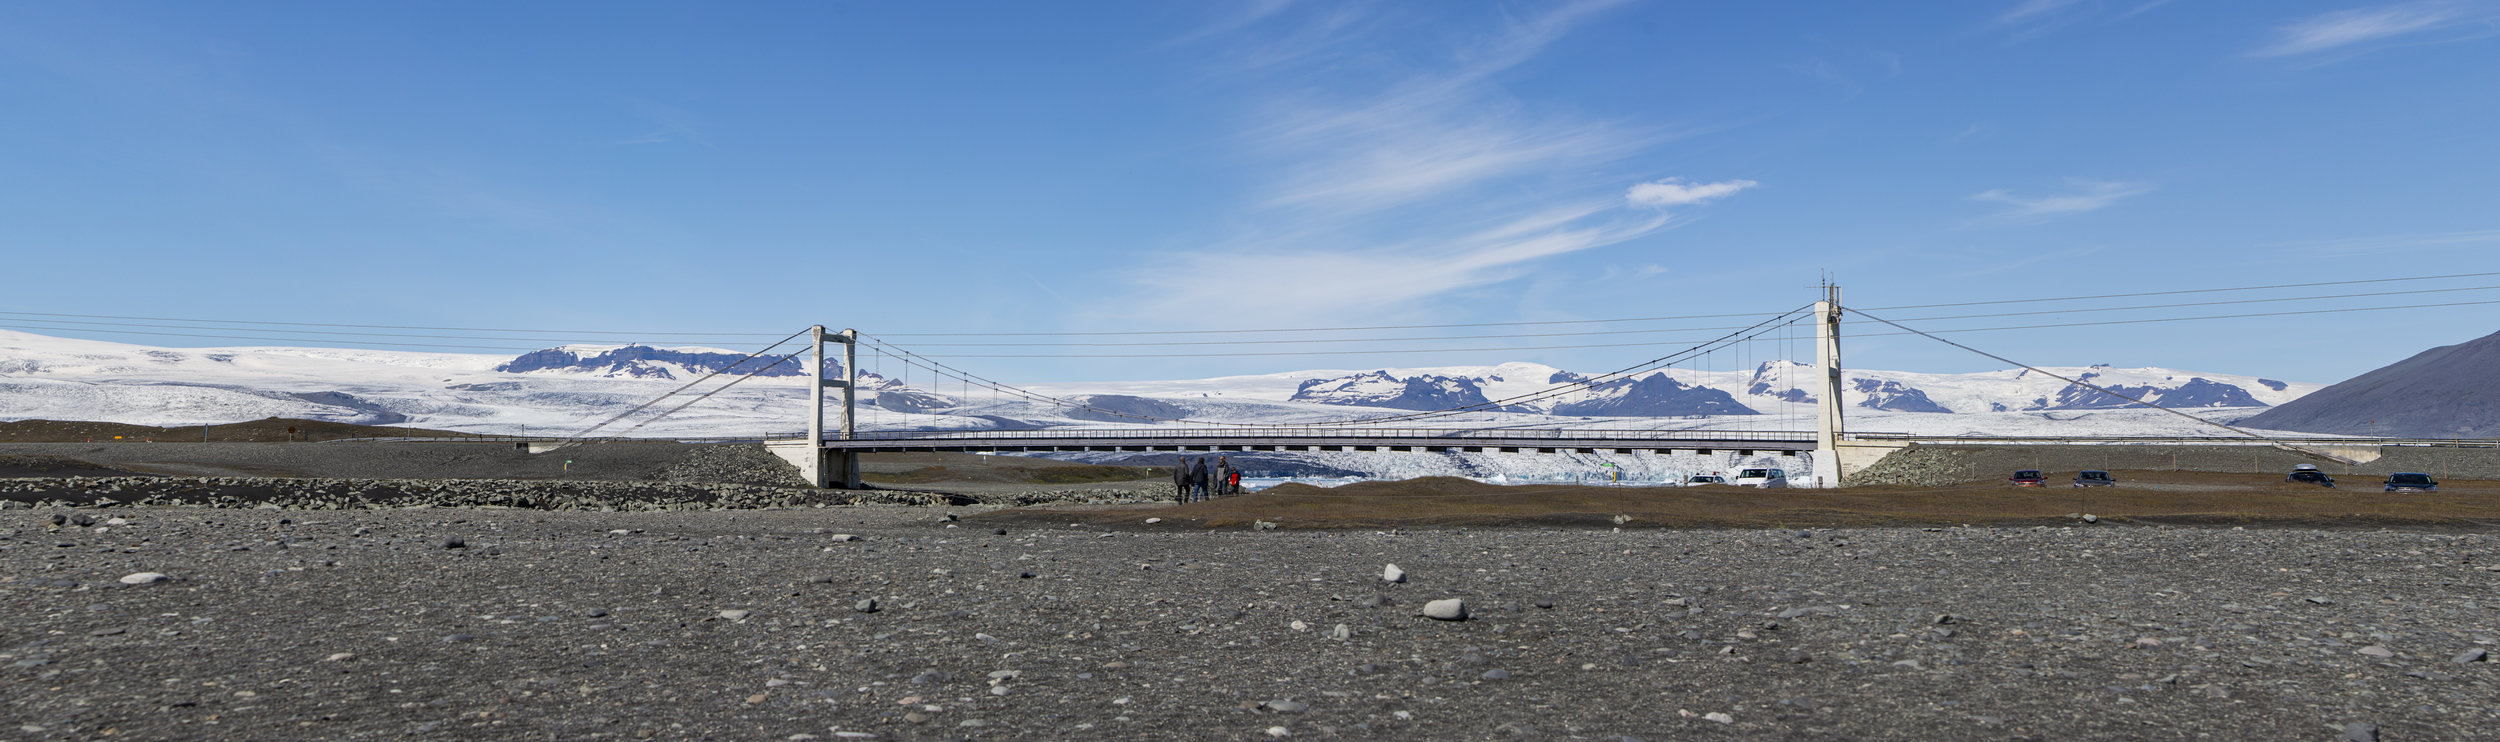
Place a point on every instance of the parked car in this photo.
(2411, 482)
(2095, 478)
(2309, 474)
(1761, 478)
(1702, 479)
(2028, 478)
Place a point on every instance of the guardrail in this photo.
(2166, 440)
(1283, 432)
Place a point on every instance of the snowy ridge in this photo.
(572, 387)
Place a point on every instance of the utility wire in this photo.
(2080, 383)
(57, 318)
(383, 327)
(708, 395)
(576, 438)
(2195, 291)
(2197, 304)
(2185, 319)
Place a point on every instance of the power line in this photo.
(2201, 304)
(576, 438)
(350, 333)
(271, 325)
(383, 327)
(2076, 382)
(2195, 291)
(278, 339)
(2188, 319)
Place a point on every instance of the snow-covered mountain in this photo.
(646, 362)
(562, 390)
(1776, 384)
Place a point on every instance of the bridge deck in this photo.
(1302, 439)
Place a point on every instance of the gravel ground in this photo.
(1936, 466)
(754, 625)
(376, 460)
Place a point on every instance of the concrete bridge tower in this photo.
(1827, 407)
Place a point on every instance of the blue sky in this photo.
(1029, 168)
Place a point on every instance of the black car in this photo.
(2306, 474)
(2411, 482)
(2095, 478)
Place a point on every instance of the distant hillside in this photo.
(2446, 392)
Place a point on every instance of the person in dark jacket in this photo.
(1198, 480)
(1180, 480)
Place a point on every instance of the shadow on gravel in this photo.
(2180, 498)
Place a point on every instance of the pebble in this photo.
(1447, 609)
(339, 657)
(1391, 573)
(143, 578)
(865, 605)
(2090, 518)
(1495, 674)
(1261, 525)
(1290, 707)
(1152, 521)
(1720, 717)
(1342, 633)
(2470, 656)
(458, 638)
(2376, 651)
(1278, 731)
(736, 615)
(455, 542)
(2361, 731)
(843, 537)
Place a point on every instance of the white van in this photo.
(1761, 478)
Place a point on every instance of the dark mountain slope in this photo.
(2446, 392)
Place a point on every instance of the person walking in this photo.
(1198, 480)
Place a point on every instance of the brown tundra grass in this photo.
(2149, 496)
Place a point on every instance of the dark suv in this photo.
(2306, 474)
(2095, 478)
(2411, 482)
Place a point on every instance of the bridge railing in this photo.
(1297, 432)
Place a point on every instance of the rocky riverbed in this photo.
(861, 622)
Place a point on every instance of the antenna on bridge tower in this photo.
(844, 465)
(1827, 407)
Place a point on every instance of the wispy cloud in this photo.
(2032, 11)
(1390, 177)
(2090, 195)
(2034, 18)
(1678, 192)
(2391, 242)
(1321, 282)
(1424, 132)
(2347, 28)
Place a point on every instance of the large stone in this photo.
(1391, 573)
(1448, 609)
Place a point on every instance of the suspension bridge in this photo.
(833, 460)
(828, 455)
